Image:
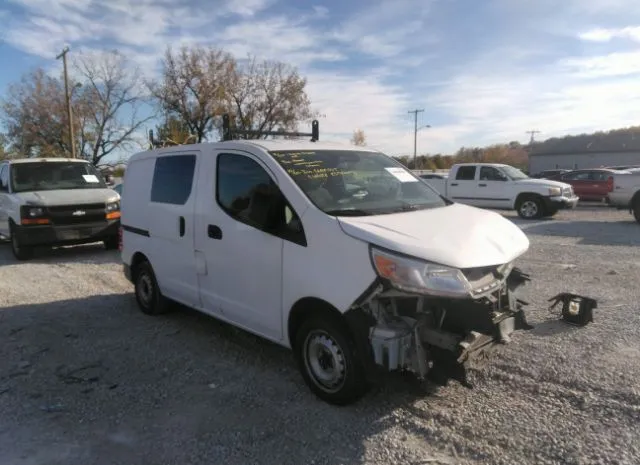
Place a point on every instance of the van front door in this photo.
(242, 275)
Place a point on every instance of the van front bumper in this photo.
(50, 235)
(561, 203)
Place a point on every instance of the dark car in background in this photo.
(589, 184)
(549, 174)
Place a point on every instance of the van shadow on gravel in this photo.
(93, 380)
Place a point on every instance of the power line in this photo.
(533, 133)
(415, 134)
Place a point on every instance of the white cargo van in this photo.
(56, 201)
(335, 251)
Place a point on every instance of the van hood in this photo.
(457, 235)
(542, 183)
(67, 197)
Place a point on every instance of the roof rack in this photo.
(229, 134)
(155, 143)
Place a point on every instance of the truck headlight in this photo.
(555, 191)
(414, 275)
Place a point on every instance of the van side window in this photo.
(173, 179)
(247, 193)
(466, 173)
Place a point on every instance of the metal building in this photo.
(578, 160)
(616, 148)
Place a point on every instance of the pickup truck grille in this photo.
(77, 214)
(567, 192)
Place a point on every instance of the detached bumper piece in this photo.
(437, 338)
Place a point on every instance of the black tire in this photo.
(20, 251)
(530, 207)
(148, 295)
(111, 243)
(330, 335)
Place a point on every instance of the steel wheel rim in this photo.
(529, 208)
(324, 361)
(145, 289)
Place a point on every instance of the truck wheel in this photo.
(530, 207)
(20, 251)
(328, 361)
(150, 299)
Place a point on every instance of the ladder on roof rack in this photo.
(229, 134)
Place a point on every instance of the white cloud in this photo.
(614, 64)
(484, 96)
(605, 35)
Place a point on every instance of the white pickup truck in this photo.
(626, 192)
(503, 187)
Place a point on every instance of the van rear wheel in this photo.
(329, 362)
(150, 299)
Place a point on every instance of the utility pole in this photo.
(415, 135)
(534, 132)
(63, 55)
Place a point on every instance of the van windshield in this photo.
(52, 175)
(357, 183)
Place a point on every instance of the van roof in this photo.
(48, 160)
(269, 145)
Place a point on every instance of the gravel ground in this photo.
(87, 379)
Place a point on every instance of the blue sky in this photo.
(484, 71)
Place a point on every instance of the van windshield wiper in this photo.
(348, 212)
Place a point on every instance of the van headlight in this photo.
(413, 275)
(33, 212)
(113, 210)
(555, 191)
(113, 207)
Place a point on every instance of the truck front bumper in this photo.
(561, 203)
(52, 235)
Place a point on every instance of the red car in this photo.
(589, 184)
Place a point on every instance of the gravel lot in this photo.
(87, 379)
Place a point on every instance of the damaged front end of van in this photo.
(435, 320)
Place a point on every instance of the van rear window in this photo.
(173, 179)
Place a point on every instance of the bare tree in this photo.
(105, 100)
(109, 101)
(193, 86)
(34, 115)
(267, 96)
(358, 138)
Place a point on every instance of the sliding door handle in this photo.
(214, 232)
(182, 226)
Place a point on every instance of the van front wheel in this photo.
(150, 299)
(329, 362)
